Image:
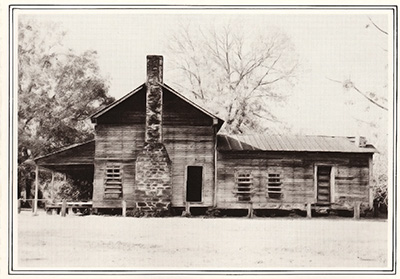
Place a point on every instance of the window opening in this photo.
(113, 182)
(274, 186)
(244, 184)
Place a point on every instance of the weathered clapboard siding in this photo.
(188, 136)
(178, 113)
(128, 182)
(351, 183)
(175, 111)
(190, 146)
(119, 141)
(130, 111)
(116, 144)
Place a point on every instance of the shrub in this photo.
(213, 212)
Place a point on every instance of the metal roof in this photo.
(299, 143)
(77, 153)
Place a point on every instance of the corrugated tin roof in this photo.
(298, 143)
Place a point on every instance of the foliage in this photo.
(138, 213)
(26, 176)
(135, 213)
(381, 190)
(75, 190)
(57, 90)
(241, 75)
(213, 212)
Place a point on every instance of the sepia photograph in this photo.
(201, 140)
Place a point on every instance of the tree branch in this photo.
(369, 99)
(377, 27)
(349, 84)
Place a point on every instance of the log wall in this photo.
(297, 170)
(186, 146)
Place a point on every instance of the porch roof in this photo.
(71, 158)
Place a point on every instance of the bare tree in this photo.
(241, 75)
(375, 127)
(377, 99)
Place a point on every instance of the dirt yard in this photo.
(101, 242)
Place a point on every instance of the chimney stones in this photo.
(154, 99)
(153, 167)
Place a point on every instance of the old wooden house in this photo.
(154, 149)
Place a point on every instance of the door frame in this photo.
(186, 180)
(331, 180)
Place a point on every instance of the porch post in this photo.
(35, 202)
(123, 208)
(215, 196)
(52, 186)
(370, 183)
(309, 212)
(357, 210)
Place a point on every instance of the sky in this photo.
(330, 44)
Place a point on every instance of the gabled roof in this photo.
(296, 143)
(115, 103)
(164, 86)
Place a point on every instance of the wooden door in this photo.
(324, 185)
(194, 183)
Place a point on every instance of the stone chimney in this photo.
(153, 167)
(154, 99)
(359, 141)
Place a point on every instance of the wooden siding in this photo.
(130, 111)
(128, 182)
(189, 146)
(186, 146)
(119, 141)
(116, 144)
(351, 183)
(175, 111)
(188, 136)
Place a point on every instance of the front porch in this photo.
(75, 163)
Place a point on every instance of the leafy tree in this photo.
(76, 190)
(57, 90)
(242, 75)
